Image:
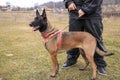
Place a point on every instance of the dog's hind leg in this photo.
(85, 59)
(55, 64)
(89, 51)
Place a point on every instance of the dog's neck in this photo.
(49, 30)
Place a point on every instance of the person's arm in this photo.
(91, 6)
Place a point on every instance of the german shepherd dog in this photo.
(56, 40)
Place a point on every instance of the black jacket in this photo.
(92, 8)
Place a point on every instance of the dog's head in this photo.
(40, 21)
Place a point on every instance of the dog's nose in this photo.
(30, 24)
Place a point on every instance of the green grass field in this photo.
(23, 56)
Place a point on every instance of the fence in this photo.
(111, 10)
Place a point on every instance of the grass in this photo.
(23, 56)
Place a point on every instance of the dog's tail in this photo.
(102, 53)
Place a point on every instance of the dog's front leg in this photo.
(55, 64)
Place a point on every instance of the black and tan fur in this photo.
(82, 40)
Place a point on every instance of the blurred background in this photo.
(110, 7)
(22, 53)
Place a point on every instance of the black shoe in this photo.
(101, 71)
(67, 64)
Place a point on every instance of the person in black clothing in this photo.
(85, 15)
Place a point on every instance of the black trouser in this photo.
(94, 27)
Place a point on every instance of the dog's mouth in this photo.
(35, 28)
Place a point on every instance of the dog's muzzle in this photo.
(34, 28)
(31, 24)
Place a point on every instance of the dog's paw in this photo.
(82, 68)
(92, 79)
(52, 76)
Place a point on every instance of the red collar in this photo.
(52, 35)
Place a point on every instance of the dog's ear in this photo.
(44, 14)
(37, 13)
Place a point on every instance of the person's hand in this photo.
(72, 6)
(81, 13)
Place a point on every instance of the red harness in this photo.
(52, 35)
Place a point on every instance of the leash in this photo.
(69, 24)
(73, 21)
